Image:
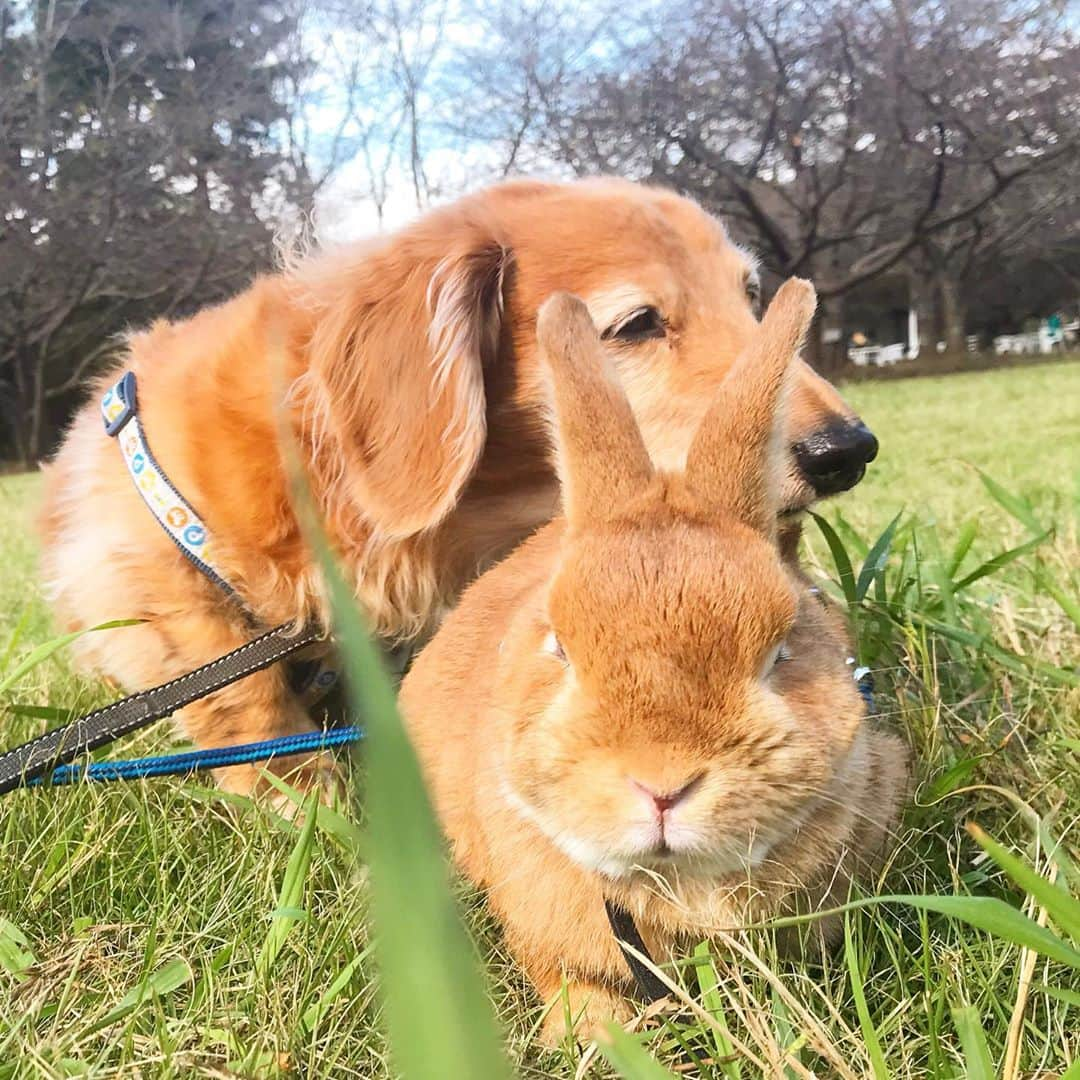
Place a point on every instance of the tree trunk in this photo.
(953, 315)
(826, 358)
(36, 410)
(20, 412)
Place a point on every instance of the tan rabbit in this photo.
(643, 704)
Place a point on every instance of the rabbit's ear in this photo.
(602, 460)
(734, 461)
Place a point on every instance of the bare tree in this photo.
(840, 137)
(373, 69)
(138, 157)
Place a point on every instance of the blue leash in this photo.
(865, 682)
(201, 760)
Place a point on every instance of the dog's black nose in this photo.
(835, 458)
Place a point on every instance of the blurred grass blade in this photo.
(14, 638)
(46, 649)
(1070, 997)
(841, 561)
(998, 918)
(963, 545)
(713, 1002)
(313, 1015)
(866, 1023)
(992, 566)
(1022, 665)
(1015, 505)
(291, 893)
(986, 913)
(16, 954)
(1058, 855)
(628, 1058)
(977, 1062)
(165, 980)
(437, 1015)
(337, 826)
(876, 559)
(43, 712)
(1063, 909)
(438, 1019)
(1061, 597)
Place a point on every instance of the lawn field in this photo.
(1020, 425)
(158, 929)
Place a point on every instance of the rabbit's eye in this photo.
(553, 647)
(776, 656)
(642, 324)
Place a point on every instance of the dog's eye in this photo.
(753, 293)
(553, 647)
(640, 325)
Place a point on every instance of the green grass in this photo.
(1022, 426)
(158, 929)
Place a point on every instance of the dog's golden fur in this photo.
(408, 372)
(631, 651)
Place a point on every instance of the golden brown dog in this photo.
(408, 371)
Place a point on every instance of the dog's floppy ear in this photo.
(394, 384)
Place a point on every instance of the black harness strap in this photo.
(650, 987)
(63, 744)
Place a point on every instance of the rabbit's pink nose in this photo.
(663, 801)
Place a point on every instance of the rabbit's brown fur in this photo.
(631, 647)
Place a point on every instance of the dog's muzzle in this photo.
(834, 458)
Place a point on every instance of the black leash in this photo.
(649, 985)
(25, 763)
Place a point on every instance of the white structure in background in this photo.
(1040, 342)
(887, 355)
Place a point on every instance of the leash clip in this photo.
(119, 404)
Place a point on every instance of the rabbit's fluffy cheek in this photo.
(707, 807)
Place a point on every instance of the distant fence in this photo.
(951, 363)
(1040, 342)
(878, 355)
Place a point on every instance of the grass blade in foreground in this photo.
(47, 648)
(1016, 505)
(876, 559)
(438, 1017)
(1062, 908)
(977, 1063)
(165, 980)
(291, 894)
(983, 912)
(841, 560)
(866, 1023)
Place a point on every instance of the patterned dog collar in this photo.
(119, 411)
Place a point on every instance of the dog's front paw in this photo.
(319, 773)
